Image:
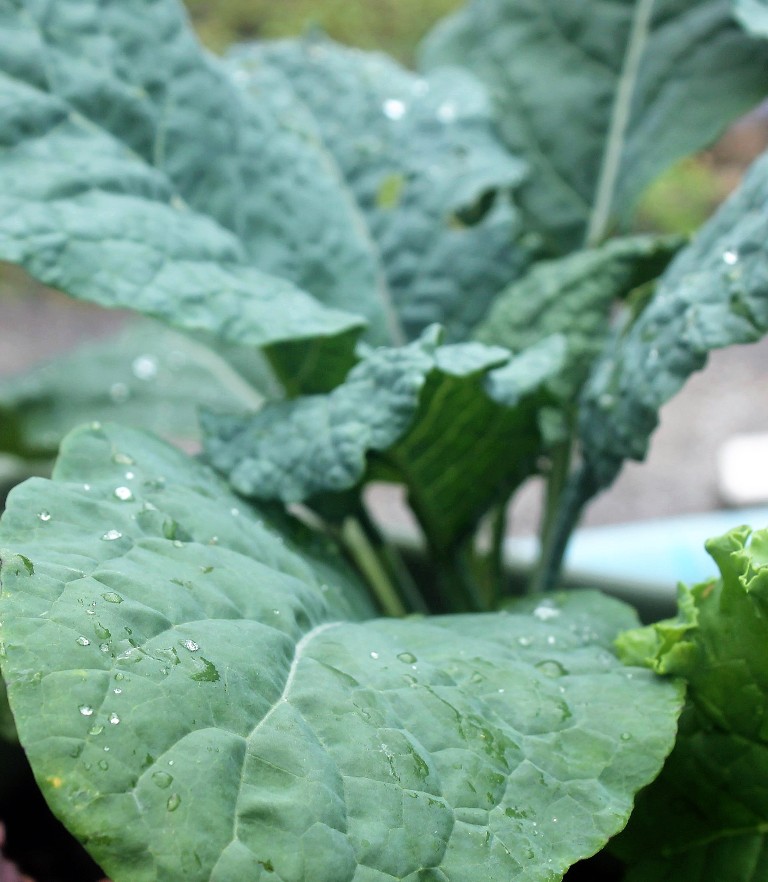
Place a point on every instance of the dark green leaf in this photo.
(422, 161)
(599, 98)
(457, 424)
(251, 728)
(147, 377)
(573, 296)
(713, 295)
(707, 809)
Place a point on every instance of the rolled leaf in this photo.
(198, 701)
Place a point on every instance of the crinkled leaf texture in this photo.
(704, 817)
(573, 296)
(714, 294)
(203, 700)
(456, 423)
(139, 148)
(146, 376)
(600, 97)
(423, 162)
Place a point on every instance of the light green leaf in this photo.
(600, 98)
(573, 296)
(753, 14)
(424, 164)
(713, 295)
(254, 731)
(708, 807)
(456, 423)
(147, 376)
(136, 71)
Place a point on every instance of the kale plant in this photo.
(219, 665)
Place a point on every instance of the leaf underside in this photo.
(200, 698)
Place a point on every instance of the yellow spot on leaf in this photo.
(55, 781)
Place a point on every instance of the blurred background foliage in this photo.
(679, 201)
(394, 26)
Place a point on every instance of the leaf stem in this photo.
(370, 566)
(611, 164)
(556, 484)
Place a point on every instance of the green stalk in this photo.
(556, 484)
(370, 565)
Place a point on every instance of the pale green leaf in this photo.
(708, 807)
(753, 14)
(601, 97)
(146, 376)
(423, 163)
(135, 70)
(254, 731)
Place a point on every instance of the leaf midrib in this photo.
(609, 169)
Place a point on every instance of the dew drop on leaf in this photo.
(111, 535)
(86, 710)
(374, 655)
(44, 516)
(190, 645)
(111, 597)
(174, 801)
(83, 641)
(96, 729)
(162, 780)
(730, 257)
(103, 765)
(123, 459)
(407, 658)
(551, 668)
(114, 719)
(124, 493)
(546, 611)
(394, 109)
(144, 367)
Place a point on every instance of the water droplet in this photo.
(626, 736)
(162, 780)
(117, 691)
(374, 655)
(144, 367)
(394, 109)
(407, 658)
(525, 641)
(500, 691)
(190, 645)
(119, 393)
(104, 647)
(101, 632)
(83, 641)
(551, 640)
(124, 493)
(234, 512)
(129, 476)
(96, 729)
(731, 256)
(111, 597)
(546, 611)
(551, 668)
(44, 516)
(119, 676)
(446, 112)
(86, 487)
(103, 765)
(606, 401)
(111, 535)
(114, 719)
(174, 801)
(86, 710)
(123, 459)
